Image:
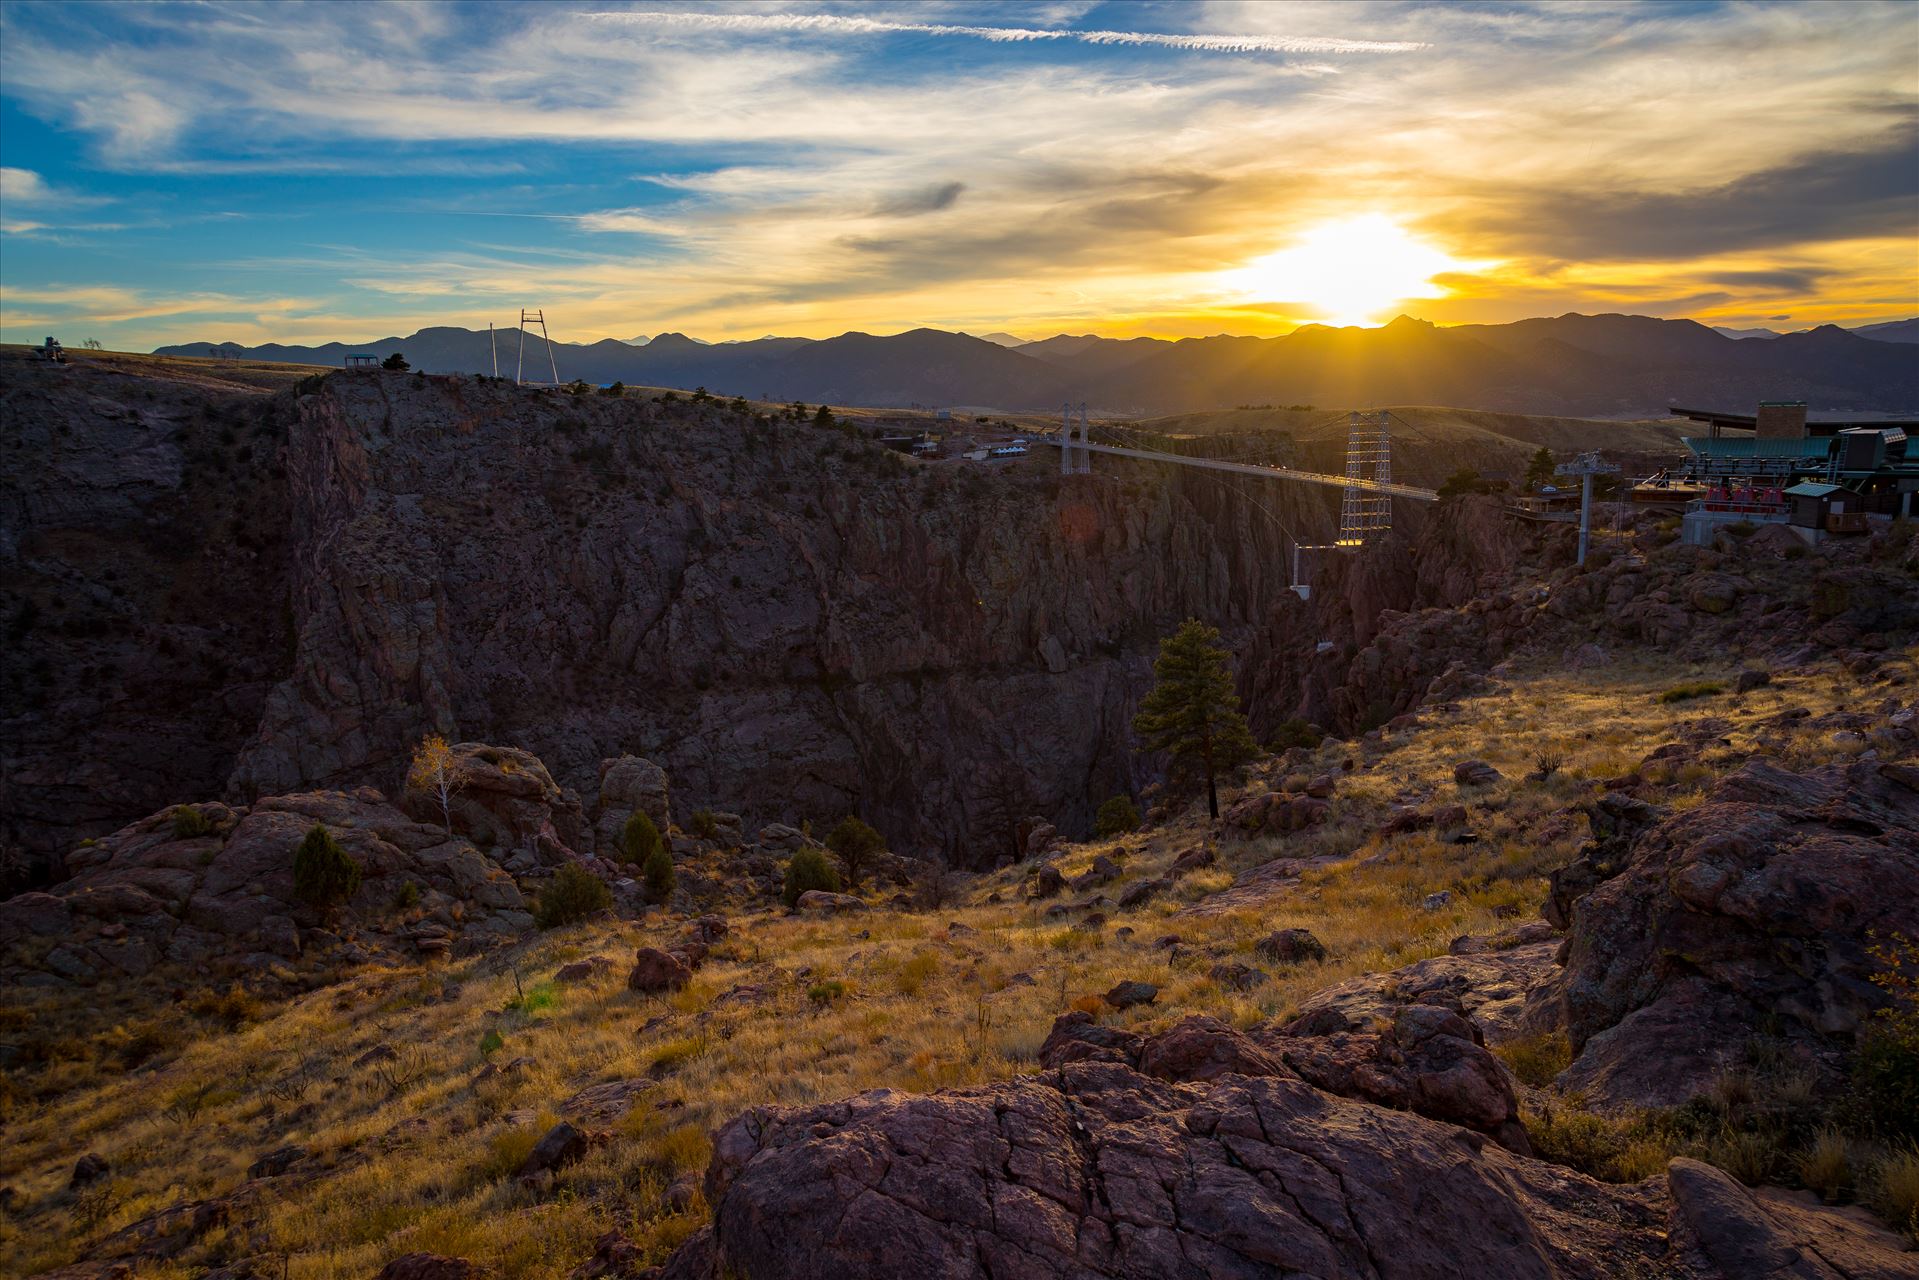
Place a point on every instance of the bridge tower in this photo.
(1074, 460)
(1364, 511)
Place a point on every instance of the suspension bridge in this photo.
(1367, 487)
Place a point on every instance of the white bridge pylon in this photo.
(1074, 460)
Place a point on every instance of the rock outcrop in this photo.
(1093, 1170)
(1096, 1171)
(503, 798)
(1758, 904)
(630, 785)
(1489, 987)
(1424, 1058)
(215, 893)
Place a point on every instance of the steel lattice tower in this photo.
(1364, 511)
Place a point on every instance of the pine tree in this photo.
(1192, 712)
(1540, 470)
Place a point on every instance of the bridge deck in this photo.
(1256, 469)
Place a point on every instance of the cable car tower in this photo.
(1586, 466)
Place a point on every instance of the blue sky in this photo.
(309, 172)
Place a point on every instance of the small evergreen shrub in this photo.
(1696, 689)
(1296, 733)
(573, 894)
(1117, 816)
(323, 874)
(190, 824)
(658, 873)
(855, 842)
(703, 824)
(809, 869)
(639, 837)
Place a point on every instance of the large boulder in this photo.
(1428, 1059)
(1197, 1049)
(1276, 813)
(504, 799)
(655, 971)
(628, 785)
(1758, 904)
(1076, 1037)
(1771, 1232)
(1095, 1171)
(1490, 988)
(829, 903)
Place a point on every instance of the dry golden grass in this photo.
(419, 1154)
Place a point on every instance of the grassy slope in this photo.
(425, 1164)
(225, 375)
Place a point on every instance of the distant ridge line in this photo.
(1605, 366)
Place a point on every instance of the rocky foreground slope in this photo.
(1581, 948)
(1317, 1038)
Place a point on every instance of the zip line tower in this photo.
(535, 317)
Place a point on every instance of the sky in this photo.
(332, 171)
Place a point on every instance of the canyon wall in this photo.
(220, 591)
(794, 622)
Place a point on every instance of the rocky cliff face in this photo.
(143, 606)
(793, 622)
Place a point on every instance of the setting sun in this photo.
(1347, 271)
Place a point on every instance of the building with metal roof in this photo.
(1823, 476)
(1808, 424)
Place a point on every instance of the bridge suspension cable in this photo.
(1267, 470)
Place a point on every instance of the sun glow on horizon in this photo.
(1348, 271)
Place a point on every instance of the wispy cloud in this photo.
(841, 24)
(797, 168)
(23, 186)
